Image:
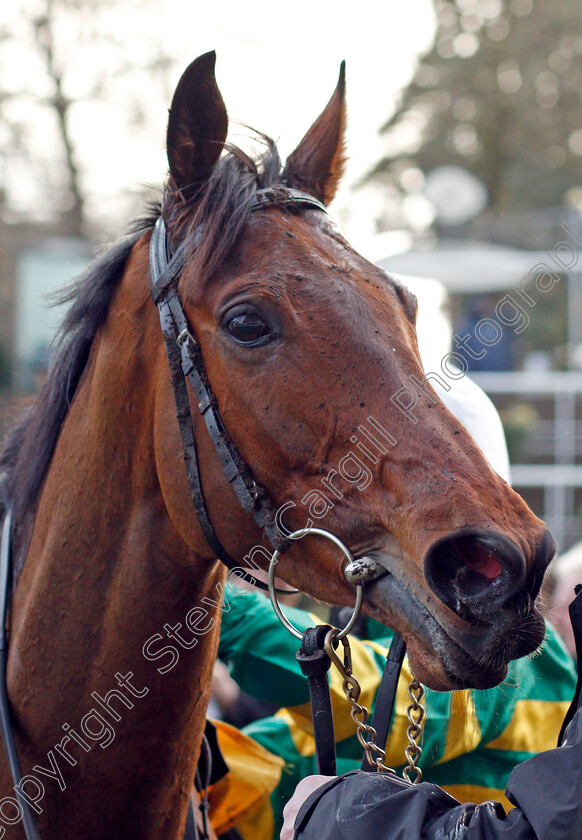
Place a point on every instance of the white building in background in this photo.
(41, 270)
(552, 487)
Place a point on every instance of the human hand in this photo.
(304, 789)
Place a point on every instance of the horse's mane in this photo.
(220, 211)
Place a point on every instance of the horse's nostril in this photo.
(474, 574)
(477, 558)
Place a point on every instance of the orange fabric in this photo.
(254, 773)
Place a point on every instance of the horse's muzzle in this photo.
(476, 573)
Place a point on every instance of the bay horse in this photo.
(303, 343)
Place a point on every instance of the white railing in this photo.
(559, 479)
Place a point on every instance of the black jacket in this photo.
(546, 790)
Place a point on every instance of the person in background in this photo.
(568, 573)
(232, 705)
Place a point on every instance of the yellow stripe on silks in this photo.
(258, 823)
(303, 741)
(298, 718)
(464, 732)
(476, 794)
(533, 728)
(299, 721)
(254, 773)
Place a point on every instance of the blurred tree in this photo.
(65, 66)
(500, 95)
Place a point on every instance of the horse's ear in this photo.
(318, 162)
(197, 125)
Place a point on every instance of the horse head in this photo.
(309, 349)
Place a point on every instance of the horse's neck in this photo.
(111, 598)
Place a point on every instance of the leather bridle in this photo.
(186, 363)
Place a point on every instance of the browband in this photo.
(165, 268)
(281, 196)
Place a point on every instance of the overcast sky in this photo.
(277, 65)
(277, 62)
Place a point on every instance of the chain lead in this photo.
(415, 715)
(366, 734)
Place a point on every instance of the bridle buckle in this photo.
(185, 334)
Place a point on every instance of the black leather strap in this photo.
(386, 696)
(314, 663)
(284, 196)
(191, 829)
(185, 360)
(251, 497)
(168, 307)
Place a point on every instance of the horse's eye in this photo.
(248, 328)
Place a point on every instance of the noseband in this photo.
(186, 363)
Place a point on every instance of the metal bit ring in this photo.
(273, 595)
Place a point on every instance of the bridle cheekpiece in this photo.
(186, 363)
